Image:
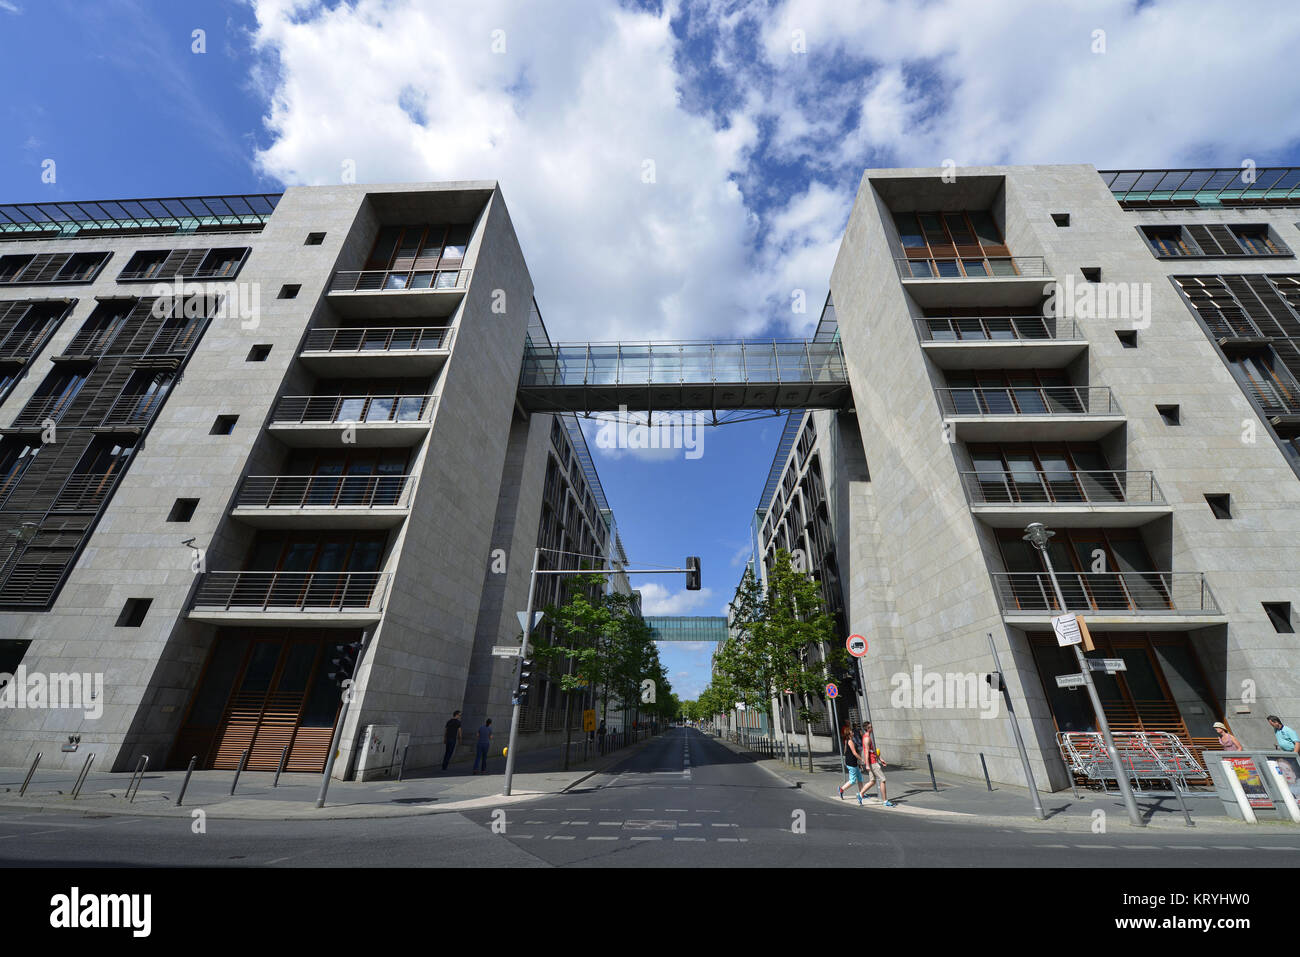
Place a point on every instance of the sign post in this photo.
(1015, 730)
(857, 646)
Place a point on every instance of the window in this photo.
(141, 398)
(1128, 338)
(1255, 240)
(11, 266)
(54, 396)
(1169, 413)
(1061, 219)
(953, 244)
(1091, 273)
(221, 263)
(145, 265)
(1168, 241)
(223, 425)
(15, 455)
(289, 291)
(258, 353)
(81, 267)
(1269, 383)
(1279, 615)
(101, 328)
(182, 510)
(314, 239)
(1220, 504)
(133, 612)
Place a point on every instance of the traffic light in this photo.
(994, 680)
(525, 671)
(693, 573)
(343, 662)
(853, 681)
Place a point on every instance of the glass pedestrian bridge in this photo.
(695, 375)
(687, 627)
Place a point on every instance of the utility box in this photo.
(375, 754)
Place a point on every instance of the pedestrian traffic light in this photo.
(693, 573)
(994, 680)
(343, 662)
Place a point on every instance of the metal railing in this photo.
(1027, 328)
(384, 280)
(1062, 487)
(1169, 593)
(378, 339)
(1029, 400)
(292, 591)
(324, 491)
(972, 267)
(352, 408)
(644, 363)
(133, 410)
(84, 493)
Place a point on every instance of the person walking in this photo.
(481, 748)
(1227, 740)
(853, 762)
(1287, 739)
(875, 767)
(600, 735)
(451, 738)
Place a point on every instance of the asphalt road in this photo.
(683, 800)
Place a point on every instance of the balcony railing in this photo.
(133, 411)
(1028, 328)
(292, 591)
(83, 493)
(324, 491)
(1062, 487)
(1029, 400)
(376, 339)
(352, 408)
(673, 363)
(383, 280)
(972, 267)
(1137, 593)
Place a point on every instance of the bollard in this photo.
(137, 777)
(932, 781)
(284, 759)
(190, 770)
(401, 768)
(81, 778)
(28, 780)
(986, 771)
(238, 771)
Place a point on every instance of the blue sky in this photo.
(757, 120)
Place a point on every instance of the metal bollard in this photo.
(401, 768)
(137, 777)
(28, 780)
(931, 763)
(284, 759)
(985, 766)
(81, 778)
(190, 770)
(238, 771)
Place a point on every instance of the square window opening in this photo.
(1061, 219)
(1128, 338)
(1220, 504)
(314, 239)
(182, 510)
(133, 612)
(289, 291)
(224, 425)
(258, 353)
(1170, 413)
(1279, 614)
(1091, 273)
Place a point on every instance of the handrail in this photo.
(298, 591)
(352, 408)
(324, 491)
(971, 267)
(1025, 328)
(1146, 592)
(378, 339)
(1062, 487)
(1029, 400)
(437, 279)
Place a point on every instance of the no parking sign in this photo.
(832, 691)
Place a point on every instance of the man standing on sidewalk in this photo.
(875, 767)
(481, 748)
(451, 738)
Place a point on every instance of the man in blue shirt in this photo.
(481, 748)
(1287, 740)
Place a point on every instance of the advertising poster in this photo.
(1290, 768)
(1251, 783)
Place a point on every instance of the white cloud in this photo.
(658, 600)
(8, 7)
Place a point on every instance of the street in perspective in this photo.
(903, 484)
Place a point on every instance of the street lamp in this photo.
(1038, 535)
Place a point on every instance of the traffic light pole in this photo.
(1015, 729)
(338, 724)
(693, 582)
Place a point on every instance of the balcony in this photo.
(402, 294)
(336, 501)
(1108, 499)
(975, 280)
(1000, 342)
(377, 350)
(1114, 600)
(84, 493)
(1082, 413)
(316, 420)
(310, 599)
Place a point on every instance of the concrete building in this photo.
(241, 434)
(1111, 355)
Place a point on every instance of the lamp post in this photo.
(1038, 535)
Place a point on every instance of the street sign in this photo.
(740, 706)
(523, 619)
(857, 645)
(1108, 665)
(589, 720)
(832, 691)
(1067, 630)
(1069, 681)
(505, 651)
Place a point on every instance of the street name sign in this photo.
(1069, 681)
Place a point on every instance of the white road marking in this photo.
(595, 837)
(700, 839)
(647, 838)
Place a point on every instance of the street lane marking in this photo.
(688, 824)
(647, 838)
(609, 823)
(596, 837)
(276, 861)
(677, 810)
(560, 837)
(699, 839)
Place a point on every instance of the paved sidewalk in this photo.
(968, 801)
(421, 791)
